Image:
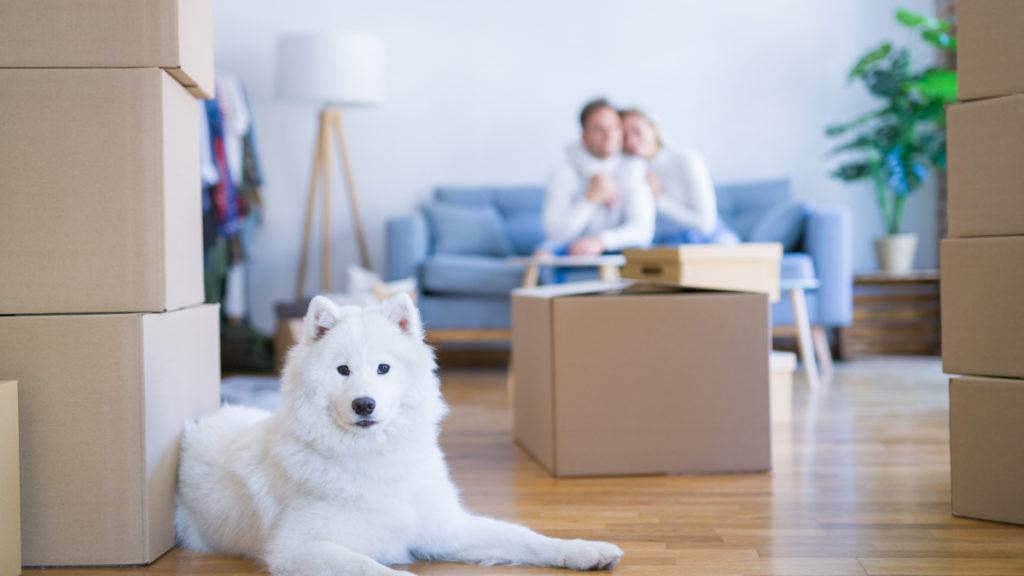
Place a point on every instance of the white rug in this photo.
(256, 391)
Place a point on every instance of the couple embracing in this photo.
(619, 181)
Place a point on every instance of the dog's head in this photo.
(362, 373)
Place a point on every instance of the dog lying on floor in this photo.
(347, 476)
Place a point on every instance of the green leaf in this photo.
(943, 40)
(839, 129)
(883, 83)
(868, 59)
(914, 20)
(937, 83)
(859, 143)
(852, 171)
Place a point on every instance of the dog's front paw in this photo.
(590, 555)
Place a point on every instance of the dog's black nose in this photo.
(364, 406)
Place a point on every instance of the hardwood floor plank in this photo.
(860, 485)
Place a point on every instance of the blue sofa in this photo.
(456, 247)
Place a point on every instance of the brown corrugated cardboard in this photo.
(748, 267)
(173, 34)
(101, 193)
(981, 287)
(783, 364)
(104, 398)
(986, 175)
(647, 381)
(986, 433)
(990, 49)
(10, 496)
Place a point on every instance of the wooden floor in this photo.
(860, 486)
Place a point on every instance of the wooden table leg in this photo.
(822, 350)
(609, 273)
(803, 335)
(532, 275)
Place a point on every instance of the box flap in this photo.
(702, 252)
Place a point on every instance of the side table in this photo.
(807, 338)
(607, 265)
(894, 313)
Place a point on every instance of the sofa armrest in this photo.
(827, 241)
(407, 246)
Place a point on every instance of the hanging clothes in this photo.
(232, 203)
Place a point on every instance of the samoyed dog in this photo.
(347, 476)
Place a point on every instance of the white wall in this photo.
(488, 93)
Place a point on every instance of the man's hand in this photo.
(602, 190)
(587, 246)
(654, 182)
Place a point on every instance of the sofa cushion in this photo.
(457, 274)
(462, 229)
(796, 265)
(525, 232)
(783, 224)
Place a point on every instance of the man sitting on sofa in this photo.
(597, 200)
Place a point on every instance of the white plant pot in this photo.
(895, 252)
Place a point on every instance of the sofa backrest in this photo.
(519, 207)
(743, 205)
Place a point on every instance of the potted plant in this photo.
(898, 144)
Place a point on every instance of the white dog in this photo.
(347, 475)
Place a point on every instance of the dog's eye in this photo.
(383, 368)
(343, 370)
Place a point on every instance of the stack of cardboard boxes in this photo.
(982, 264)
(101, 317)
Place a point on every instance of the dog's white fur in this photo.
(307, 490)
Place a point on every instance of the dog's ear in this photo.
(321, 316)
(400, 310)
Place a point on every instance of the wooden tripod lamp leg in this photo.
(324, 152)
(339, 134)
(307, 228)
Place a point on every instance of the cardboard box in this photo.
(104, 398)
(102, 205)
(986, 433)
(986, 175)
(176, 35)
(982, 306)
(782, 365)
(10, 496)
(990, 48)
(744, 268)
(637, 379)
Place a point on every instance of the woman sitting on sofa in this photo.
(687, 212)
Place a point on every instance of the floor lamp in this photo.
(334, 70)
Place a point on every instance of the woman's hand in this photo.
(587, 246)
(654, 182)
(602, 190)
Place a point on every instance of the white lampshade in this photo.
(341, 69)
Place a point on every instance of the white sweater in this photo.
(687, 194)
(629, 222)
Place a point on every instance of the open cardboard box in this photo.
(641, 379)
